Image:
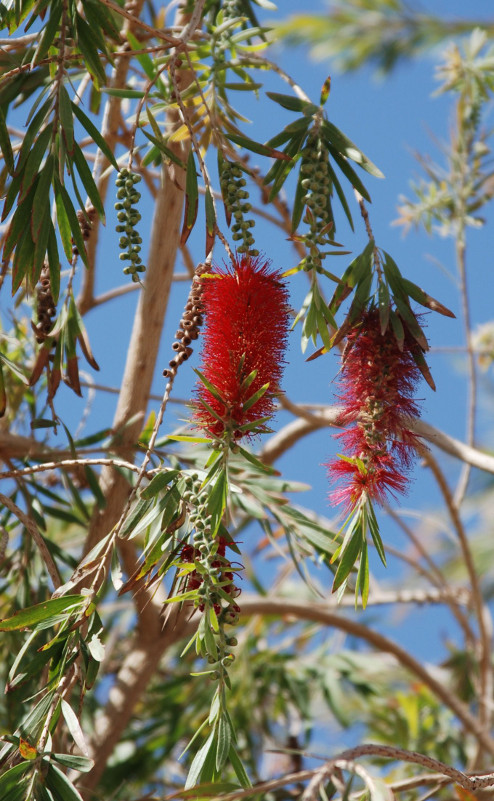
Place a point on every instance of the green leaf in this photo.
(11, 779)
(210, 387)
(348, 171)
(210, 220)
(88, 181)
(347, 148)
(40, 245)
(362, 584)
(255, 461)
(191, 198)
(95, 135)
(297, 127)
(200, 761)
(18, 225)
(23, 260)
(186, 438)
(255, 397)
(80, 763)
(256, 147)
(342, 199)
(293, 103)
(49, 33)
(164, 149)
(14, 369)
(374, 530)
(93, 483)
(58, 784)
(281, 169)
(5, 144)
(398, 330)
(47, 612)
(238, 767)
(158, 483)
(134, 517)
(66, 118)
(217, 500)
(410, 323)
(126, 93)
(63, 222)
(40, 213)
(144, 59)
(86, 44)
(41, 422)
(30, 135)
(418, 294)
(384, 305)
(298, 203)
(3, 393)
(53, 264)
(350, 553)
(72, 219)
(74, 726)
(224, 741)
(34, 160)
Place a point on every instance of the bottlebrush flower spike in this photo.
(245, 334)
(377, 386)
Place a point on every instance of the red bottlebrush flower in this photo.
(377, 386)
(246, 329)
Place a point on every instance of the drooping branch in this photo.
(328, 416)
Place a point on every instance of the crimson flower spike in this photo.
(377, 385)
(245, 335)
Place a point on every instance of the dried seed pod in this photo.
(85, 219)
(45, 306)
(189, 324)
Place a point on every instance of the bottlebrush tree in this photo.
(171, 611)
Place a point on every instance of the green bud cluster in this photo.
(211, 569)
(236, 199)
(230, 9)
(316, 181)
(128, 216)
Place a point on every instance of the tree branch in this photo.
(328, 416)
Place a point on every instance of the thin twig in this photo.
(31, 526)
(472, 374)
(322, 613)
(481, 611)
(434, 575)
(330, 415)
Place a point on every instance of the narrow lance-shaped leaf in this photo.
(85, 41)
(42, 613)
(256, 147)
(210, 221)
(73, 221)
(293, 103)
(5, 145)
(217, 500)
(351, 552)
(23, 260)
(95, 135)
(191, 198)
(164, 149)
(41, 201)
(34, 160)
(88, 181)
(420, 296)
(66, 119)
(3, 393)
(347, 148)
